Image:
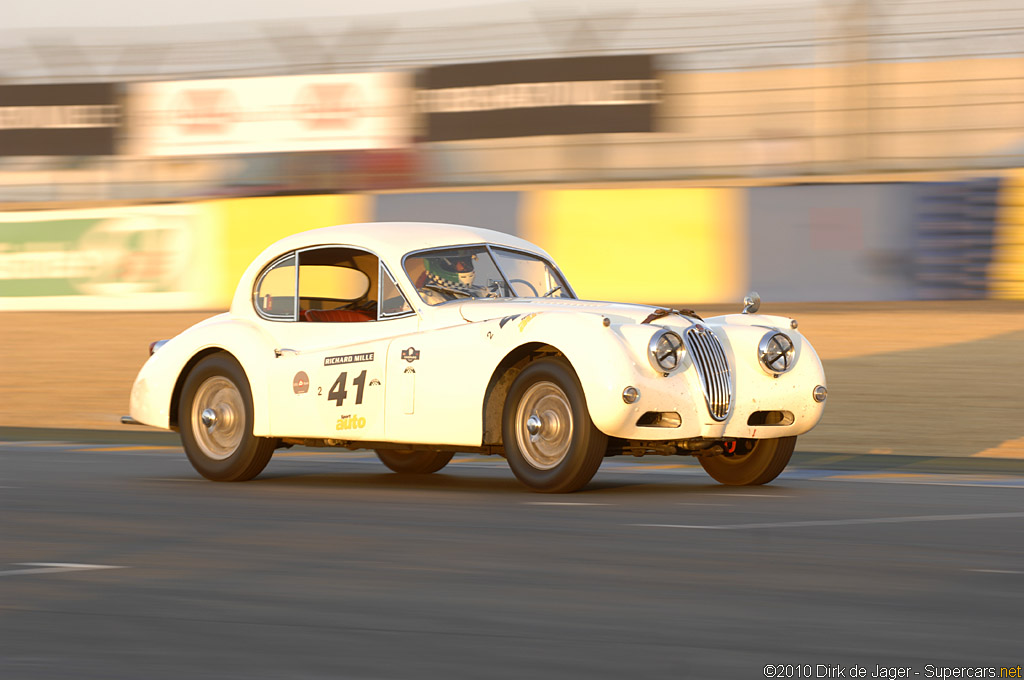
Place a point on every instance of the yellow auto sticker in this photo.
(350, 423)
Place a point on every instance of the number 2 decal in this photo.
(338, 391)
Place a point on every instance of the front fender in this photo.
(156, 387)
(607, 359)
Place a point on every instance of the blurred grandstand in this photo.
(744, 93)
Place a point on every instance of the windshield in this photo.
(482, 272)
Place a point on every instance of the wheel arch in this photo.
(501, 380)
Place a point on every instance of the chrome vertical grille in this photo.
(709, 358)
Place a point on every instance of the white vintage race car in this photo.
(420, 340)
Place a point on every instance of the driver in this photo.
(451, 277)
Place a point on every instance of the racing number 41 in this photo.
(338, 391)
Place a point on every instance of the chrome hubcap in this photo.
(544, 426)
(533, 425)
(218, 417)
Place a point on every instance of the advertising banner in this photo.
(245, 226)
(273, 114)
(59, 120)
(103, 259)
(577, 95)
(154, 257)
(656, 246)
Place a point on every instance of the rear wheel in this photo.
(762, 462)
(410, 461)
(215, 416)
(550, 442)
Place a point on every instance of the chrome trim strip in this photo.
(491, 247)
(486, 246)
(293, 254)
(297, 255)
(713, 369)
(381, 316)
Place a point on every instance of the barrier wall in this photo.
(248, 225)
(828, 242)
(833, 242)
(650, 245)
(497, 210)
(132, 258)
(1006, 274)
(185, 256)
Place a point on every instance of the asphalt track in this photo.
(117, 561)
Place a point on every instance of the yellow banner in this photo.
(248, 225)
(658, 246)
(1006, 273)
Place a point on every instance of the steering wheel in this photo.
(528, 285)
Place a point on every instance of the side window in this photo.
(337, 285)
(274, 295)
(392, 302)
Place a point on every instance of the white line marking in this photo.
(839, 522)
(714, 505)
(753, 495)
(36, 444)
(171, 479)
(1011, 483)
(554, 503)
(995, 571)
(745, 495)
(54, 568)
(84, 452)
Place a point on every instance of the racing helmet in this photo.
(453, 270)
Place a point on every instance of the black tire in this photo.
(763, 463)
(226, 450)
(565, 451)
(413, 462)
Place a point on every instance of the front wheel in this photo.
(551, 444)
(761, 463)
(414, 462)
(215, 415)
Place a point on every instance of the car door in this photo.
(328, 377)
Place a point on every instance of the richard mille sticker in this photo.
(348, 359)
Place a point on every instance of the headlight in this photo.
(665, 351)
(775, 352)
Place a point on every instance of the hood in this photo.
(617, 312)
